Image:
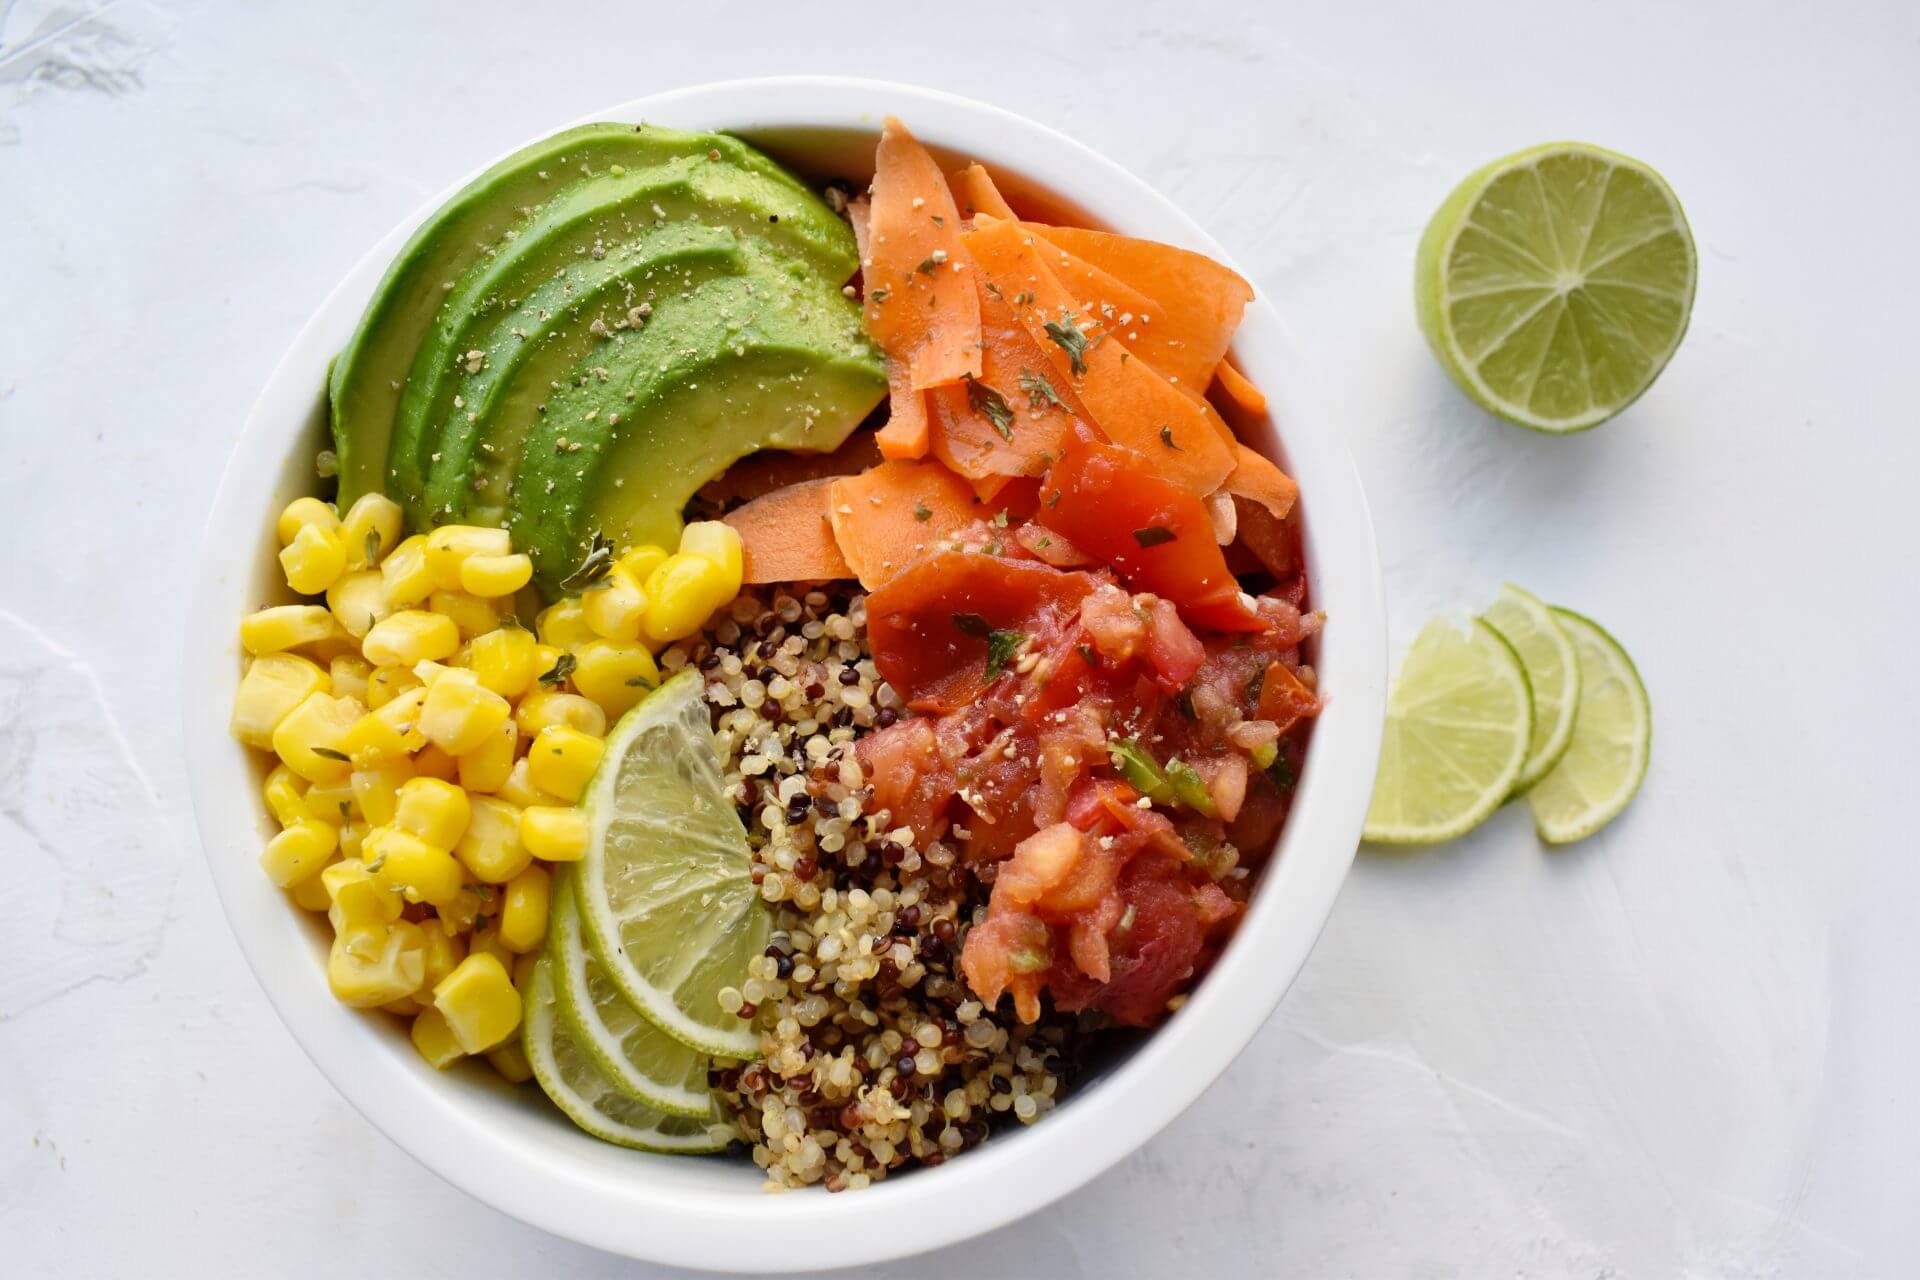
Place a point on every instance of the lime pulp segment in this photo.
(1553, 675)
(1612, 740)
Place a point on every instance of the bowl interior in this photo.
(504, 1144)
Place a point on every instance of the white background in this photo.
(1683, 1048)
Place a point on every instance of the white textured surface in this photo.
(1682, 1048)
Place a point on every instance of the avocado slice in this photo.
(367, 377)
(531, 350)
(774, 358)
(597, 216)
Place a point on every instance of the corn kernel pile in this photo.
(430, 749)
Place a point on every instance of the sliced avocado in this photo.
(772, 359)
(544, 343)
(366, 379)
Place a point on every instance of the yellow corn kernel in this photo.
(314, 560)
(310, 894)
(331, 802)
(372, 964)
(335, 644)
(642, 560)
(388, 682)
(429, 672)
(564, 624)
(479, 1002)
(562, 759)
(285, 626)
(554, 834)
(718, 542)
(302, 512)
(403, 861)
(273, 685)
(615, 675)
(349, 673)
(523, 910)
(309, 737)
(285, 791)
(493, 576)
(359, 601)
(433, 761)
(352, 837)
(475, 905)
(459, 715)
(435, 811)
(503, 660)
(371, 528)
(445, 950)
(523, 966)
(519, 790)
(485, 768)
(510, 1060)
(405, 572)
(356, 896)
(614, 606)
(376, 790)
(449, 546)
(411, 636)
(405, 1006)
(546, 708)
(298, 852)
(434, 1039)
(390, 733)
(471, 615)
(683, 593)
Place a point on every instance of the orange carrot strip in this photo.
(974, 192)
(889, 517)
(905, 436)
(1240, 392)
(785, 537)
(921, 306)
(1255, 477)
(1200, 301)
(1124, 397)
(1014, 420)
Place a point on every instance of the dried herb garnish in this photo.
(1067, 336)
(929, 264)
(1001, 646)
(994, 289)
(991, 405)
(599, 560)
(972, 624)
(922, 512)
(1039, 390)
(1088, 654)
(877, 295)
(1166, 438)
(1023, 297)
(562, 668)
(328, 753)
(373, 547)
(639, 682)
(1153, 535)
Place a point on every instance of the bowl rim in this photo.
(626, 1205)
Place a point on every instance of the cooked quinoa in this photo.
(875, 1054)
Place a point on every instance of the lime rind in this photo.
(1553, 676)
(667, 902)
(1459, 719)
(637, 1056)
(589, 1098)
(1612, 740)
(1579, 290)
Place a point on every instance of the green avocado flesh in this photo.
(683, 275)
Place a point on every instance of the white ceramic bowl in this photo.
(522, 1157)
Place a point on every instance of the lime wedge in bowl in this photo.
(666, 896)
(1555, 284)
(1459, 719)
(637, 1056)
(1612, 740)
(1553, 675)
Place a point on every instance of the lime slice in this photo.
(1612, 739)
(589, 1098)
(637, 1056)
(1553, 675)
(1555, 284)
(667, 901)
(1458, 722)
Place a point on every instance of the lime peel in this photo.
(1612, 740)
(1553, 676)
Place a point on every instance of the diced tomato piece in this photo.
(1070, 748)
(1283, 699)
(1107, 501)
(1176, 653)
(1049, 546)
(1114, 625)
(932, 627)
(1011, 951)
(909, 778)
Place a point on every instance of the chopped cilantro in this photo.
(1153, 535)
(993, 406)
(1067, 336)
(562, 667)
(599, 560)
(1039, 390)
(1166, 438)
(1000, 518)
(1001, 646)
(1088, 654)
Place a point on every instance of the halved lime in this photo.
(667, 900)
(1612, 739)
(1553, 675)
(1458, 722)
(1555, 284)
(588, 1096)
(637, 1056)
